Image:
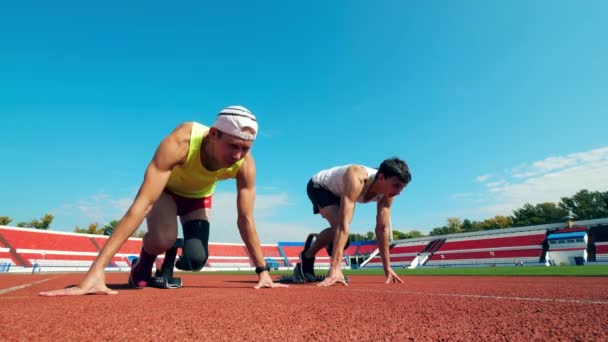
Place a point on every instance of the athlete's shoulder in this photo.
(197, 124)
(182, 131)
(357, 169)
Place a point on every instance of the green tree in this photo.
(355, 237)
(497, 222)
(586, 205)
(108, 229)
(438, 231)
(470, 226)
(93, 228)
(454, 226)
(541, 213)
(503, 221)
(44, 222)
(397, 235)
(5, 220)
(415, 234)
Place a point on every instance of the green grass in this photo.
(567, 271)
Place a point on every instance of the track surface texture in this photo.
(213, 307)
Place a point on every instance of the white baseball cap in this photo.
(232, 120)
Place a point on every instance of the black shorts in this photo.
(320, 197)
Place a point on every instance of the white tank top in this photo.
(333, 180)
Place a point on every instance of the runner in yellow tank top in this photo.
(191, 179)
(179, 181)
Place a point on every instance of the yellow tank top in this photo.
(191, 179)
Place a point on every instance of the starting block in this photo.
(299, 280)
(297, 277)
(163, 279)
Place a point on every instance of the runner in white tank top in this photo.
(333, 193)
(333, 180)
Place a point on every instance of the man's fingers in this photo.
(104, 290)
(393, 279)
(72, 291)
(77, 291)
(331, 281)
(270, 285)
(326, 282)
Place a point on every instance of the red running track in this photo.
(227, 308)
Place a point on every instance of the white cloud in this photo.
(267, 188)
(494, 185)
(461, 195)
(547, 180)
(552, 164)
(483, 178)
(100, 197)
(103, 208)
(98, 208)
(122, 204)
(224, 216)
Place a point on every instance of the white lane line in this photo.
(531, 299)
(19, 287)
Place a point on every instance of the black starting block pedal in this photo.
(298, 277)
(163, 282)
(290, 280)
(299, 280)
(163, 279)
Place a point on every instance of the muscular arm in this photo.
(383, 230)
(171, 151)
(354, 180)
(245, 182)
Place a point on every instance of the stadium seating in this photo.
(601, 250)
(292, 252)
(273, 256)
(535, 239)
(23, 247)
(352, 250)
(367, 248)
(35, 246)
(497, 249)
(228, 256)
(401, 255)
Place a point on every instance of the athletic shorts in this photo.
(187, 205)
(320, 197)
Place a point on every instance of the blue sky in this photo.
(492, 104)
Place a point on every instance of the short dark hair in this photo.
(395, 167)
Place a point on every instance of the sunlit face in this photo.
(230, 149)
(391, 186)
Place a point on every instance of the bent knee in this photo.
(158, 243)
